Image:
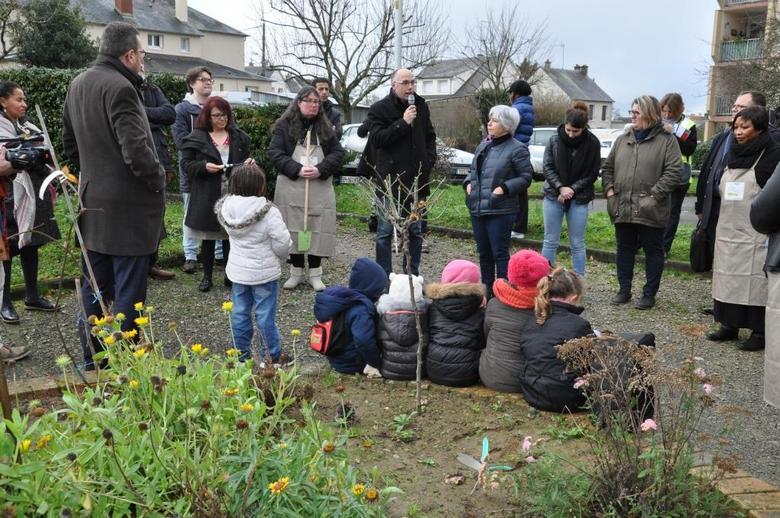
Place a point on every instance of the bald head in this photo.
(403, 83)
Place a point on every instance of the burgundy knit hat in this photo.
(460, 270)
(526, 267)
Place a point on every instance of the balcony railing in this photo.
(740, 50)
(740, 2)
(723, 104)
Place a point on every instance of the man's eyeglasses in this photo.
(205, 80)
(310, 101)
(738, 107)
(406, 82)
(141, 52)
(219, 116)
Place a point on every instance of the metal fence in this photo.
(752, 48)
(740, 2)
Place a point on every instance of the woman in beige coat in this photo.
(739, 285)
(641, 171)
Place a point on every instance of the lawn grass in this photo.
(449, 210)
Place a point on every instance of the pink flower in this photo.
(708, 388)
(647, 425)
(527, 444)
(580, 382)
(530, 459)
(699, 373)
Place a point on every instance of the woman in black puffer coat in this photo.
(455, 325)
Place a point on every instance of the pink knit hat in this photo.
(460, 270)
(526, 267)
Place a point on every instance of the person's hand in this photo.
(610, 192)
(309, 172)
(214, 168)
(410, 114)
(561, 199)
(250, 161)
(468, 188)
(371, 372)
(566, 192)
(5, 165)
(498, 191)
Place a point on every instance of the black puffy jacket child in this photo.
(545, 382)
(396, 328)
(455, 325)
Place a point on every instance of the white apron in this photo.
(322, 206)
(740, 252)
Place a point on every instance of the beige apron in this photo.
(772, 352)
(322, 206)
(740, 252)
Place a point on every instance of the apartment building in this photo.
(737, 40)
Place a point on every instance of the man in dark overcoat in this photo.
(107, 136)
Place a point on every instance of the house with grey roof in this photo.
(178, 37)
(574, 85)
(458, 77)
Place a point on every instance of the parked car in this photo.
(460, 161)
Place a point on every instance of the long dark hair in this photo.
(295, 120)
(204, 117)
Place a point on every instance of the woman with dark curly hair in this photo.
(306, 153)
(208, 154)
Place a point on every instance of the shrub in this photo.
(702, 150)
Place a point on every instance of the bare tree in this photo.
(7, 15)
(350, 42)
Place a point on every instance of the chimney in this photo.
(584, 70)
(181, 10)
(576, 68)
(547, 64)
(124, 7)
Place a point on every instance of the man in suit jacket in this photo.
(107, 135)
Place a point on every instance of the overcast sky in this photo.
(631, 47)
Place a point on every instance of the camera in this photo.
(27, 157)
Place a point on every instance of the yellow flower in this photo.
(233, 352)
(134, 384)
(357, 489)
(231, 392)
(103, 333)
(279, 486)
(247, 407)
(24, 446)
(127, 335)
(120, 316)
(141, 321)
(149, 309)
(204, 351)
(140, 353)
(109, 340)
(100, 321)
(197, 348)
(138, 306)
(295, 332)
(282, 445)
(227, 306)
(43, 441)
(372, 494)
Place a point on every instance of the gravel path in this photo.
(676, 320)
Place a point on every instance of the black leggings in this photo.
(207, 255)
(297, 260)
(29, 259)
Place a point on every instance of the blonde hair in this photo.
(649, 109)
(560, 283)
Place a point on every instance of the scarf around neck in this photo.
(742, 156)
(570, 169)
(520, 297)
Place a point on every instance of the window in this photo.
(154, 41)
(427, 86)
(185, 45)
(443, 86)
(604, 112)
(590, 112)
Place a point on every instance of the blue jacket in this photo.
(367, 281)
(525, 106)
(504, 163)
(186, 113)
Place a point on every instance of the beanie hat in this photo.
(526, 267)
(460, 270)
(368, 278)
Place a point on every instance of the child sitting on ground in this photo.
(258, 240)
(455, 319)
(546, 384)
(501, 363)
(367, 280)
(396, 327)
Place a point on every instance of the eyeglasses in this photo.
(141, 52)
(406, 82)
(310, 101)
(219, 116)
(205, 80)
(634, 113)
(738, 107)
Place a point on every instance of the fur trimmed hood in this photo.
(436, 290)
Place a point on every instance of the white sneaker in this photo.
(518, 235)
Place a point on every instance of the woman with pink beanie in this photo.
(501, 363)
(455, 319)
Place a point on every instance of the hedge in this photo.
(47, 88)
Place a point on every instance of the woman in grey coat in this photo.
(501, 169)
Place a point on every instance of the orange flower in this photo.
(279, 486)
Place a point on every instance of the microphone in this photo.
(410, 100)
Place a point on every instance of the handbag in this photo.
(700, 257)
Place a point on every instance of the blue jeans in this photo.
(261, 300)
(190, 246)
(576, 220)
(492, 234)
(384, 244)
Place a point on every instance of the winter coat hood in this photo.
(240, 212)
(458, 300)
(368, 278)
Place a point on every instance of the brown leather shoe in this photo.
(158, 273)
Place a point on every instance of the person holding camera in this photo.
(29, 220)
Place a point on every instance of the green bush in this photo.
(702, 150)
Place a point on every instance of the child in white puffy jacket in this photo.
(258, 241)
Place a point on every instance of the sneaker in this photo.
(518, 235)
(10, 353)
(189, 266)
(645, 302)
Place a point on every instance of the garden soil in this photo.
(183, 313)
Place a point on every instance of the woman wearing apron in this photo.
(739, 286)
(207, 153)
(304, 149)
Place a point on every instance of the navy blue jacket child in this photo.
(366, 283)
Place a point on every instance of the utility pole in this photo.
(399, 22)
